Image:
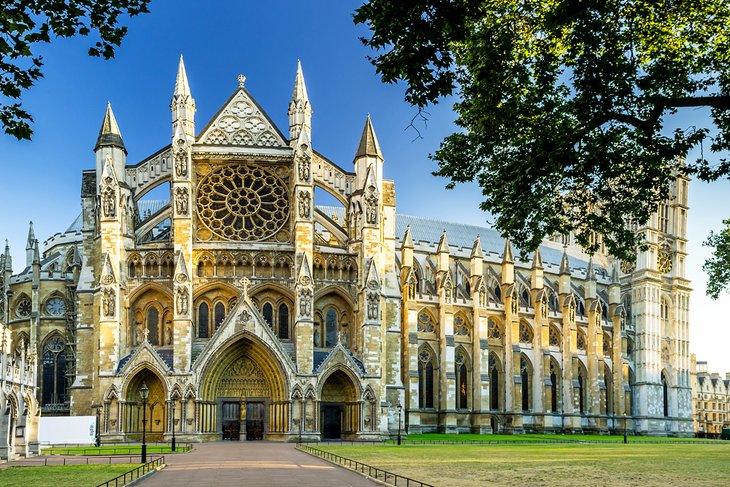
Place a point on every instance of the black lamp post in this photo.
(626, 439)
(144, 393)
(400, 408)
(98, 408)
(173, 426)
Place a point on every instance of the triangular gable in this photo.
(242, 122)
(339, 355)
(144, 354)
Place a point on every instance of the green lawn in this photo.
(62, 476)
(109, 450)
(549, 438)
(645, 464)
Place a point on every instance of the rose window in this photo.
(245, 203)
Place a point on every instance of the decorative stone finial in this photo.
(241, 80)
(243, 284)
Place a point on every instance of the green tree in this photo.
(562, 104)
(26, 23)
(717, 267)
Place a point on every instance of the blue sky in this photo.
(40, 180)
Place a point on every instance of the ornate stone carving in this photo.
(109, 301)
(305, 204)
(305, 302)
(181, 159)
(304, 168)
(243, 378)
(371, 207)
(182, 300)
(242, 202)
(108, 199)
(181, 201)
(373, 306)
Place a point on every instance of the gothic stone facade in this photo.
(249, 311)
(711, 394)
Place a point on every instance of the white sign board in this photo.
(56, 430)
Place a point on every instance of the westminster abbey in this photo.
(252, 311)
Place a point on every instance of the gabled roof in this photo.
(242, 122)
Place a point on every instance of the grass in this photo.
(645, 464)
(62, 476)
(549, 438)
(110, 450)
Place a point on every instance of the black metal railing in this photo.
(134, 474)
(365, 469)
(118, 450)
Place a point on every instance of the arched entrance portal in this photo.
(243, 393)
(156, 410)
(340, 409)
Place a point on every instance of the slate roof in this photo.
(165, 354)
(320, 356)
(429, 231)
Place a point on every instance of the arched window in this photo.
(462, 382)
(554, 377)
(283, 321)
(153, 328)
(525, 376)
(268, 312)
(493, 384)
(54, 372)
(664, 312)
(219, 314)
(203, 317)
(330, 328)
(665, 394)
(425, 379)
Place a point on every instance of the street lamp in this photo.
(98, 408)
(400, 408)
(626, 439)
(144, 393)
(173, 425)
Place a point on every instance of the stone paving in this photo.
(255, 463)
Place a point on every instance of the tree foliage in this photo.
(26, 23)
(717, 267)
(562, 104)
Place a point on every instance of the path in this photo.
(256, 463)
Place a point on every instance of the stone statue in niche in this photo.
(108, 205)
(305, 302)
(108, 302)
(181, 201)
(371, 209)
(304, 168)
(181, 159)
(373, 302)
(168, 335)
(305, 201)
(181, 300)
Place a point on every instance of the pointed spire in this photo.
(36, 253)
(476, 250)
(407, 239)
(31, 237)
(8, 258)
(300, 88)
(109, 134)
(507, 254)
(564, 264)
(590, 272)
(614, 274)
(182, 88)
(369, 145)
(537, 260)
(443, 244)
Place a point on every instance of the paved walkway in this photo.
(255, 463)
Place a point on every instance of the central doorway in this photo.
(254, 421)
(331, 421)
(232, 421)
